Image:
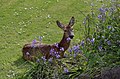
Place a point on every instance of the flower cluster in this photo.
(102, 14)
(33, 43)
(55, 53)
(75, 50)
(43, 58)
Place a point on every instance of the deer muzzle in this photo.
(71, 36)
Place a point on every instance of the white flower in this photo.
(27, 53)
(61, 49)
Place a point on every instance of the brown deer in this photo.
(36, 49)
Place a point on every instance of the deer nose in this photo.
(71, 36)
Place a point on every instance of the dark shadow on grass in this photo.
(22, 67)
(21, 63)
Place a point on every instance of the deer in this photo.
(32, 51)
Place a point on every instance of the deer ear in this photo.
(60, 24)
(72, 21)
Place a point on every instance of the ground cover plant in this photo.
(95, 46)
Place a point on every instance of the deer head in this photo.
(68, 29)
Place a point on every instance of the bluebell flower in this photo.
(52, 52)
(33, 43)
(56, 44)
(102, 10)
(50, 60)
(70, 50)
(109, 27)
(57, 56)
(82, 43)
(38, 60)
(100, 48)
(75, 54)
(100, 16)
(43, 58)
(76, 48)
(92, 40)
(108, 42)
(65, 70)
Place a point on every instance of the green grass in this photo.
(21, 21)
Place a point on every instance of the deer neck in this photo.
(64, 42)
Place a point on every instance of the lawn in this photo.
(21, 21)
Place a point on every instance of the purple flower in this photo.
(68, 39)
(108, 42)
(38, 60)
(57, 56)
(50, 60)
(100, 48)
(65, 70)
(56, 44)
(93, 40)
(61, 49)
(82, 43)
(70, 50)
(33, 43)
(75, 54)
(100, 16)
(76, 48)
(102, 10)
(52, 52)
(109, 27)
(43, 58)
